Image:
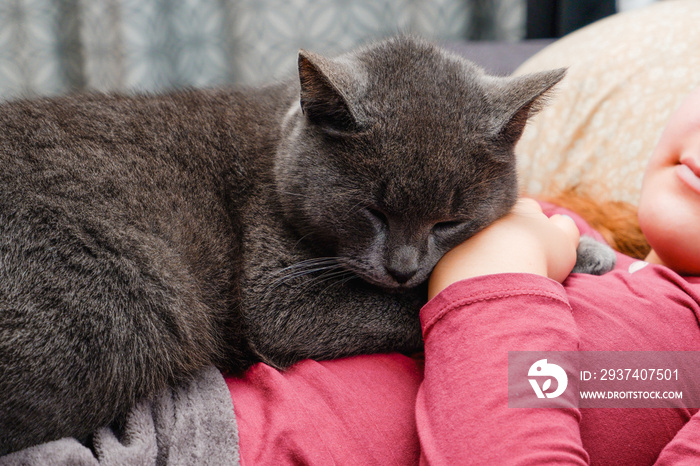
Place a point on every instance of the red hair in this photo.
(615, 220)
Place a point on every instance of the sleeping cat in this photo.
(142, 237)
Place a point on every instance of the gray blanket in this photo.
(190, 425)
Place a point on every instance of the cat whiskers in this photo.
(336, 277)
(353, 210)
(330, 270)
(288, 193)
(329, 266)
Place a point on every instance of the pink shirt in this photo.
(382, 409)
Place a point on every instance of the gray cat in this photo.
(142, 237)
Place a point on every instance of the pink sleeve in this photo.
(685, 446)
(462, 408)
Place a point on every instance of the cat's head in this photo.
(398, 152)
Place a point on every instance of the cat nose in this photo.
(401, 276)
(402, 263)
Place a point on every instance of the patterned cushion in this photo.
(627, 73)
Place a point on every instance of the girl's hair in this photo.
(615, 220)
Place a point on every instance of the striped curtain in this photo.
(50, 47)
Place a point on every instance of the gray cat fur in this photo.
(593, 257)
(143, 237)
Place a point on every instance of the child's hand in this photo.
(524, 241)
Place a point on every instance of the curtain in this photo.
(556, 18)
(50, 47)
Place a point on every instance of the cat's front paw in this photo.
(593, 257)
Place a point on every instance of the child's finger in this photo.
(526, 205)
(568, 225)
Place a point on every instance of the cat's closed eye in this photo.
(447, 227)
(377, 217)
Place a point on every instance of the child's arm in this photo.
(462, 408)
(525, 241)
(685, 446)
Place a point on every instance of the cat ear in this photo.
(322, 100)
(518, 98)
